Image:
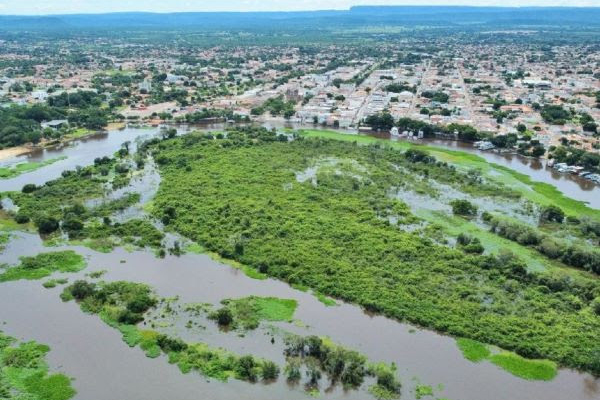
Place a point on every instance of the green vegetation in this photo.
(539, 192)
(78, 110)
(328, 301)
(573, 156)
(348, 367)
(52, 283)
(555, 114)
(318, 213)
(4, 239)
(43, 265)
(248, 312)
(423, 391)
(464, 208)
(58, 207)
(122, 305)
(527, 369)
(21, 168)
(276, 106)
(473, 350)
(24, 373)
(524, 368)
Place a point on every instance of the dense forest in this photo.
(251, 197)
(22, 124)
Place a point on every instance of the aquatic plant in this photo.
(24, 372)
(43, 265)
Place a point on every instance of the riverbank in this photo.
(77, 134)
(12, 152)
(540, 192)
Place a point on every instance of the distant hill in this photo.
(360, 15)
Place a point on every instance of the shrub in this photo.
(21, 218)
(596, 305)
(552, 214)
(464, 208)
(270, 371)
(223, 316)
(82, 289)
(47, 225)
(29, 188)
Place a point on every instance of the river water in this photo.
(84, 151)
(104, 367)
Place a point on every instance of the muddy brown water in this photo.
(83, 152)
(104, 368)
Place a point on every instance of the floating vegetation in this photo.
(4, 239)
(126, 307)
(423, 391)
(475, 351)
(24, 373)
(43, 265)
(52, 283)
(96, 274)
(544, 370)
(328, 301)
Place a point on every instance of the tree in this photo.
(82, 289)
(29, 188)
(47, 224)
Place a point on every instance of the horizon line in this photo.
(307, 10)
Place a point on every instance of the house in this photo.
(54, 124)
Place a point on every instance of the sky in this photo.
(37, 7)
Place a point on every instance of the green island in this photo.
(125, 305)
(24, 373)
(248, 312)
(43, 265)
(342, 218)
(21, 168)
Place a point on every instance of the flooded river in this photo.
(104, 367)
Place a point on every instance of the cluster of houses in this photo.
(575, 170)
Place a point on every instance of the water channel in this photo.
(104, 367)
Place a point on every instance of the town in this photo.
(535, 100)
